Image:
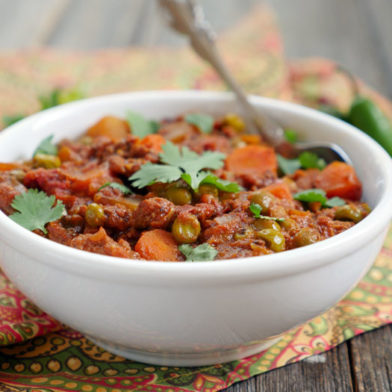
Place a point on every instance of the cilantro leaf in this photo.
(256, 211)
(311, 195)
(222, 185)
(123, 188)
(288, 166)
(151, 172)
(290, 135)
(318, 195)
(204, 252)
(183, 163)
(309, 160)
(195, 180)
(189, 160)
(66, 96)
(46, 147)
(59, 96)
(35, 209)
(140, 126)
(50, 100)
(335, 202)
(202, 121)
(306, 160)
(9, 120)
(172, 155)
(208, 178)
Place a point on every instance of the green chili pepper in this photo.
(367, 116)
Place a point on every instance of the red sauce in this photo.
(152, 222)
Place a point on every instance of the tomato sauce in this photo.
(153, 222)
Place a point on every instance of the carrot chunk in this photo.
(339, 179)
(280, 190)
(9, 166)
(153, 142)
(157, 245)
(252, 160)
(112, 127)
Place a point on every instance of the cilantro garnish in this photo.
(256, 211)
(59, 96)
(183, 164)
(123, 188)
(50, 100)
(36, 209)
(335, 202)
(46, 147)
(290, 135)
(204, 252)
(222, 185)
(288, 166)
(150, 173)
(309, 160)
(140, 126)
(306, 160)
(54, 98)
(318, 195)
(9, 120)
(202, 121)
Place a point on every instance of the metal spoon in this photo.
(187, 17)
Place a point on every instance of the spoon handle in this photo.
(187, 18)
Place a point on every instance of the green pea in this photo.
(46, 161)
(18, 174)
(95, 215)
(274, 239)
(208, 189)
(179, 196)
(261, 224)
(348, 212)
(306, 236)
(263, 199)
(288, 224)
(186, 228)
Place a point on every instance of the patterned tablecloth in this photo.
(38, 353)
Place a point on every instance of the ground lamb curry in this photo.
(191, 188)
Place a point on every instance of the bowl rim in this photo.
(234, 270)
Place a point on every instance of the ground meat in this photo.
(222, 228)
(118, 217)
(253, 182)
(60, 234)
(329, 227)
(177, 131)
(100, 242)
(305, 179)
(202, 211)
(233, 252)
(125, 167)
(51, 181)
(9, 188)
(200, 143)
(154, 213)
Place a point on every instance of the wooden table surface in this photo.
(356, 33)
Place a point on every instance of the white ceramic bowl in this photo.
(192, 313)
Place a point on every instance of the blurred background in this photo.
(355, 33)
